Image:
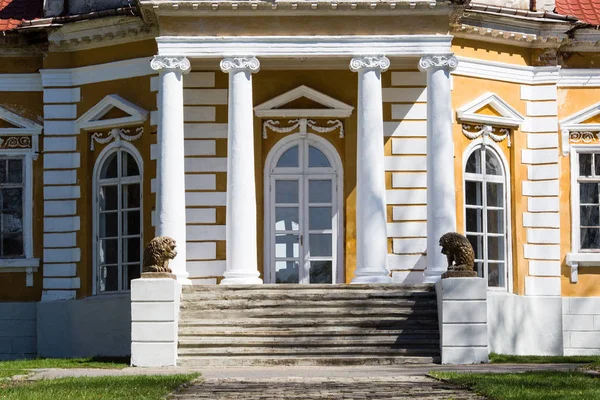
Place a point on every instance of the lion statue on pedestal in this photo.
(158, 253)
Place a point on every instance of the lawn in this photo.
(105, 388)
(22, 367)
(538, 385)
(508, 359)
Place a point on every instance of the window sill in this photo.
(576, 260)
(27, 265)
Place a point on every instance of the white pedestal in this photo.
(462, 313)
(154, 322)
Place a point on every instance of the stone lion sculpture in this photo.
(158, 253)
(460, 255)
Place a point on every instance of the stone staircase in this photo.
(308, 325)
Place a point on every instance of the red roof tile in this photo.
(14, 12)
(587, 11)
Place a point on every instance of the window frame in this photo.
(489, 145)
(102, 158)
(335, 172)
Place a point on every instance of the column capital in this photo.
(160, 63)
(438, 61)
(230, 64)
(380, 62)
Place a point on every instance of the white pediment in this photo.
(581, 121)
(93, 118)
(331, 108)
(20, 125)
(500, 113)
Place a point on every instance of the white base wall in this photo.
(524, 325)
(581, 325)
(18, 331)
(95, 326)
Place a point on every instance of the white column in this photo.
(170, 194)
(441, 197)
(242, 259)
(371, 228)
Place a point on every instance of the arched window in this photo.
(117, 219)
(486, 213)
(303, 212)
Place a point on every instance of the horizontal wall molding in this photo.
(540, 188)
(406, 229)
(199, 114)
(201, 250)
(207, 164)
(409, 245)
(97, 73)
(406, 112)
(205, 199)
(406, 163)
(406, 196)
(544, 268)
(205, 232)
(405, 128)
(539, 92)
(541, 220)
(409, 146)
(200, 215)
(409, 213)
(62, 95)
(205, 131)
(499, 71)
(21, 83)
(404, 180)
(539, 156)
(61, 224)
(542, 204)
(60, 207)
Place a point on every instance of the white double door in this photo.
(304, 223)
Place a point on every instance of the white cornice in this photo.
(506, 72)
(23, 126)
(21, 83)
(97, 73)
(508, 115)
(585, 77)
(293, 8)
(99, 33)
(303, 46)
(576, 122)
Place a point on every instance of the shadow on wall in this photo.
(95, 326)
(521, 325)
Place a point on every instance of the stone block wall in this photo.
(18, 332)
(581, 325)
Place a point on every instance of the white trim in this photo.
(507, 198)
(333, 108)
(91, 119)
(24, 127)
(303, 46)
(576, 77)
(499, 71)
(273, 156)
(21, 83)
(97, 73)
(509, 116)
(575, 122)
(111, 148)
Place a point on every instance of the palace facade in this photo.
(298, 142)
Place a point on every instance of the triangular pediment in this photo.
(14, 124)
(303, 102)
(113, 111)
(587, 119)
(489, 109)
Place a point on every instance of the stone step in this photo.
(375, 288)
(306, 295)
(225, 304)
(401, 322)
(309, 331)
(321, 312)
(389, 341)
(423, 349)
(341, 359)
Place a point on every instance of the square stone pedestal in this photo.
(154, 321)
(462, 313)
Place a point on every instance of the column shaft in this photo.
(170, 196)
(242, 257)
(371, 220)
(441, 195)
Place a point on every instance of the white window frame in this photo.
(102, 157)
(578, 257)
(475, 145)
(338, 214)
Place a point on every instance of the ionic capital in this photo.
(381, 63)
(160, 63)
(231, 64)
(438, 61)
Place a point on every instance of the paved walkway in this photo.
(372, 382)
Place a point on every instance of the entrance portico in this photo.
(369, 56)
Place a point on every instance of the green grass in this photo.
(105, 388)
(91, 362)
(505, 359)
(539, 385)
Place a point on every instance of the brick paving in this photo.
(401, 387)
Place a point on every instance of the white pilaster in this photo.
(242, 259)
(371, 228)
(170, 196)
(441, 199)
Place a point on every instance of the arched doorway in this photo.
(303, 212)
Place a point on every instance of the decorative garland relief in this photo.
(116, 134)
(302, 125)
(485, 131)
